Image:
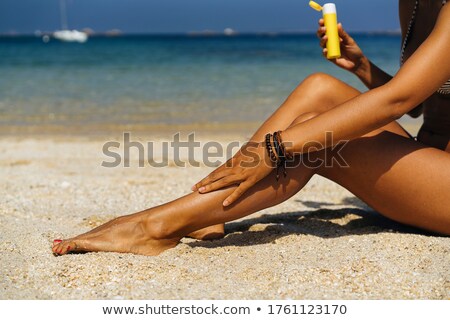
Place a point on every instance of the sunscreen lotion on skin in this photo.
(330, 18)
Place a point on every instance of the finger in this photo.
(228, 163)
(244, 186)
(343, 34)
(219, 184)
(324, 53)
(323, 41)
(321, 32)
(213, 176)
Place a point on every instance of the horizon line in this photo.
(207, 33)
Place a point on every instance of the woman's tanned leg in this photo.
(401, 178)
(391, 162)
(154, 230)
(315, 94)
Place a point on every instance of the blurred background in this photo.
(90, 66)
(182, 16)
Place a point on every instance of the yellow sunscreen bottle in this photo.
(330, 18)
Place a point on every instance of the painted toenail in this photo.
(57, 240)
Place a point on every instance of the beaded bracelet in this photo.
(280, 155)
(270, 150)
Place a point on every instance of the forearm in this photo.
(347, 121)
(372, 76)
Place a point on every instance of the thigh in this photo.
(401, 178)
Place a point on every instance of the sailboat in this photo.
(65, 34)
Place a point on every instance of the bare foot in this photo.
(124, 234)
(209, 233)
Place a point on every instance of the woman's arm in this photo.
(424, 72)
(371, 75)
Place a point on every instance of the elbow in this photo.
(398, 102)
(397, 110)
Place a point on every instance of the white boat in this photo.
(65, 34)
(70, 36)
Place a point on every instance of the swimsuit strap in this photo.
(410, 26)
(408, 31)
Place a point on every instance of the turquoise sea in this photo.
(163, 80)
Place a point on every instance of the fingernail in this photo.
(193, 188)
(226, 203)
(202, 189)
(57, 240)
(68, 248)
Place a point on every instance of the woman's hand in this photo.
(352, 57)
(249, 165)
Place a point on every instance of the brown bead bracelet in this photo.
(279, 156)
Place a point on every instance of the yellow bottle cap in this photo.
(315, 6)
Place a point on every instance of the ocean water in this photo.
(163, 80)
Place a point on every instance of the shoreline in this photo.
(114, 130)
(99, 130)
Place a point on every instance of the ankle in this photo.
(158, 227)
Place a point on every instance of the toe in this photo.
(56, 242)
(68, 247)
(61, 247)
(56, 247)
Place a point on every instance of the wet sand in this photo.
(323, 243)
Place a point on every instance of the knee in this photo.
(318, 83)
(320, 89)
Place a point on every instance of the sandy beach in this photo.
(323, 243)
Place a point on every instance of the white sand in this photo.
(322, 243)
